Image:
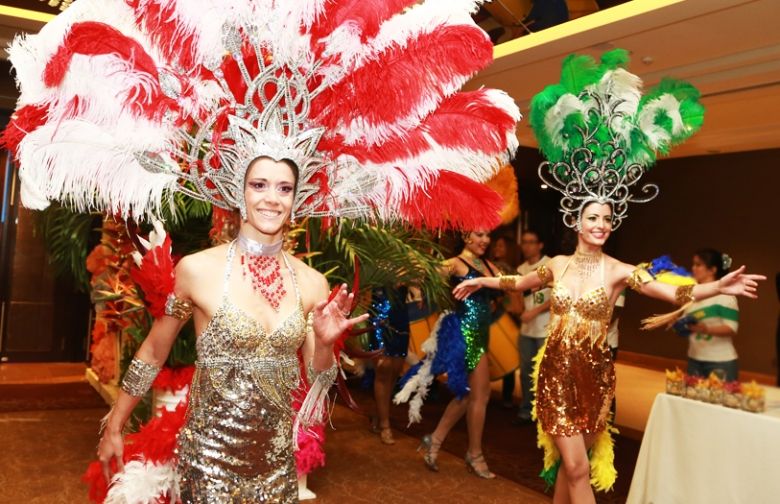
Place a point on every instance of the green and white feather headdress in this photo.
(600, 135)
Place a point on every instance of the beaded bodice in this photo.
(586, 317)
(234, 334)
(593, 305)
(234, 348)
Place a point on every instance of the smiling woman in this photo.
(599, 138)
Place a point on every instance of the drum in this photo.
(503, 354)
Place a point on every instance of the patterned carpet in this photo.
(510, 450)
(50, 432)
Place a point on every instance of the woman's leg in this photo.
(387, 369)
(574, 473)
(479, 395)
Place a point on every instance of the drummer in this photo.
(535, 316)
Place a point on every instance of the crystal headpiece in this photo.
(270, 122)
(600, 136)
(123, 104)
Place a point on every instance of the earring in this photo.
(292, 217)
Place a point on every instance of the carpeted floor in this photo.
(49, 432)
(46, 452)
(510, 450)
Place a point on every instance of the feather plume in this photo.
(438, 63)
(449, 202)
(143, 483)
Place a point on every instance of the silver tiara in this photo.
(270, 122)
(585, 178)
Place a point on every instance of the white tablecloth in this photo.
(693, 453)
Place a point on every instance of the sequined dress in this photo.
(236, 445)
(475, 316)
(390, 323)
(576, 375)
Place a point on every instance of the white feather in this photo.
(416, 388)
(624, 91)
(143, 483)
(555, 117)
(656, 135)
(57, 163)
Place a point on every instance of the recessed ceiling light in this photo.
(647, 60)
(544, 186)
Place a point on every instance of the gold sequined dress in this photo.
(576, 375)
(236, 445)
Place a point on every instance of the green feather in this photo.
(616, 58)
(578, 72)
(550, 474)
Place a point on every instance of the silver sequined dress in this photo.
(236, 445)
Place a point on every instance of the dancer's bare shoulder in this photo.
(313, 284)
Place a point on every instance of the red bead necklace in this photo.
(261, 264)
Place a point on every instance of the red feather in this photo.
(364, 15)
(156, 440)
(453, 201)
(92, 38)
(156, 278)
(396, 83)
(467, 120)
(23, 122)
(174, 379)
(160, 23)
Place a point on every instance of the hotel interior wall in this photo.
(726, 201)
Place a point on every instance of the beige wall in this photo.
(728, 202)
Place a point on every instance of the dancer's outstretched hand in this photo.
(466, 288)
(331, 317)
(739, 283)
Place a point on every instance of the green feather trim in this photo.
(550, 474)
(580, 71)
(616, 58)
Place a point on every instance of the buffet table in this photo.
(693, 452)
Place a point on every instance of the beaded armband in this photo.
(507, 282)
(545, 274)
(178, 308)
(683, 295)
(324, 379)
(139, 377)
(638, 278)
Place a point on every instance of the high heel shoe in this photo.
(386, 436)
(431, 449)
(482, 473)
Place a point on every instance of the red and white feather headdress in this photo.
(125, 101)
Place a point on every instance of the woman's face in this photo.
(701, 272)
(269, 190)
(596, 223)
(477, 242)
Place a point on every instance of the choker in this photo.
(255, 248)
(586, 264)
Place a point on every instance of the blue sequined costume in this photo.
(390, 323)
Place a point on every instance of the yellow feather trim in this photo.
(602, 455)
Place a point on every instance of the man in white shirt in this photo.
(536, 315)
